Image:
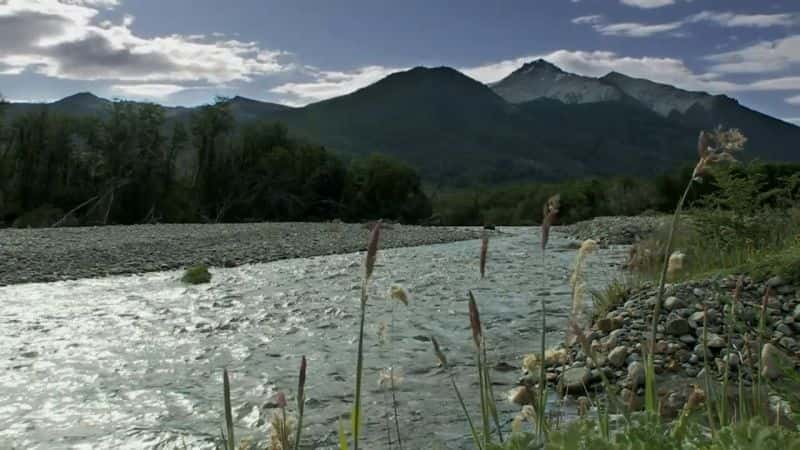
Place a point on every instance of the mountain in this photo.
(540, 122)
(541, 79)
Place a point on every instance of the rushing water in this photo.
(136, 361)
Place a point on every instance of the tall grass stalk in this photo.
(549, 214)
(706, 373)
(369, 267)
(477, 337)
(711, 148)
(301, 400)
(443, 362)
(230, 441)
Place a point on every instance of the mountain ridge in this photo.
(540, 122)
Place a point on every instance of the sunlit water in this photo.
(136, 361)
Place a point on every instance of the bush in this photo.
(197, 275)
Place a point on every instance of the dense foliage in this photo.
(520, 204)
(132, 165)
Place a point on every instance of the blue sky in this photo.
(184, 52)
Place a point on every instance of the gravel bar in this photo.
(51, 254)
(615, 230)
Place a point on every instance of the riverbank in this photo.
(52, 254)
(617, 339)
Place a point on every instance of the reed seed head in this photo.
(301, 384)
(372, 249)
(439, 354)
(399, 293)
(390, 377)
(549, 214)
(675, 263)
(475, 321)
(484, 251)
(280, 400)
(520, 396)
(717, 146)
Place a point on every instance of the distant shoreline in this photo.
(53, 254)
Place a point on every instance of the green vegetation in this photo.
(520, 204)
(132, 165)
(197, 275)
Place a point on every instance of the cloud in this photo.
(635, 29)
(648, 4)
(729, 19)
(588, 20)
(61, 39)
(793, 100)
(767, 56)
(327, 84)
(723, 19)
(794, 120)
(147, 90)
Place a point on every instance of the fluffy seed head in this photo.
(549, 215)
(675, 263)
(280, 400)
(399, 293)
(520, 396)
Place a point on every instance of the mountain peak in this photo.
(539, 64)
(80, 97)
(543, 79)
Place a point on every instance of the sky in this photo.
(186, 52)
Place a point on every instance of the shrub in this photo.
(197, 275)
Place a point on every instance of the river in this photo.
(135, 362)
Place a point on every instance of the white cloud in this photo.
(729, 19)
(327, 84)
(768, 56)
(648, 4)
(147, 90)
(60, 39)
(777, 84)
(793, 100)
(794, 120)
(635, 29)
(724, 19)
(588, 20)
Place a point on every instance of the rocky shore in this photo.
(617, 339)
(614, 230)
(39, 255)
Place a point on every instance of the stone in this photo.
(788, 343)
(673, 303)
(797, 312)
(775, 281)
(574, 380)
(618, 356)
(715, 341)
(677, 327)
(636, 374)
(688, 339)
(784, 329)
(773, 359)
(608, 325)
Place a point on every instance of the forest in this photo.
(135, 165)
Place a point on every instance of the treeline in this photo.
(521, 204)
(134, 165)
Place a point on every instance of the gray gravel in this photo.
(35, 255)
(615, 230)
